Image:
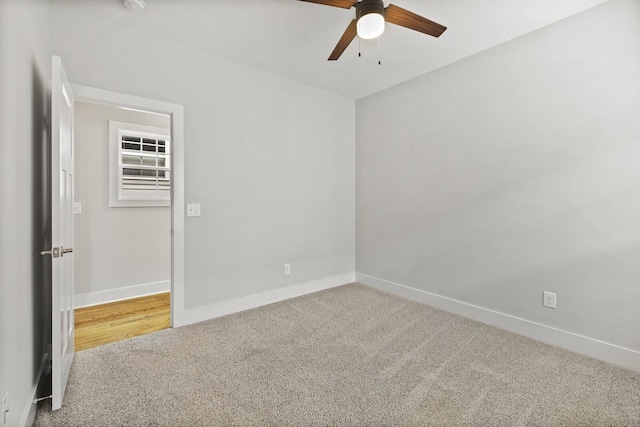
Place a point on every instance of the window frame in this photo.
(116, 198)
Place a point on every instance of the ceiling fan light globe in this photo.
(370, 26)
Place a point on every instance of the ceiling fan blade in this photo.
(345, 4)
(347, 37)
(404, 18)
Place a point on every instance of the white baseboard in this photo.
(224, 308)
(580, 344)
(31, 407)
(29, 415)
(111, 295)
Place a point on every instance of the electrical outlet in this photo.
(287, 269)
(549, 299)
(5, 409)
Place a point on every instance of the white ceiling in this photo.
(293, 39)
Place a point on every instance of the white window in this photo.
(139, 165)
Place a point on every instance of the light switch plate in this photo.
(193, 209)
(77, 208)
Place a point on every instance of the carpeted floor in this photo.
(346, 356)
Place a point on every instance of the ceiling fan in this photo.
(370, 19)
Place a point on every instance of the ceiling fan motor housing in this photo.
(366, 7)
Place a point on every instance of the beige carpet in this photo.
(347, 356)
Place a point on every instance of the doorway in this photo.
(148, 258)
(122, 217)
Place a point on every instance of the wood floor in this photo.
(106, 323)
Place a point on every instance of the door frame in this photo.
(176, 112)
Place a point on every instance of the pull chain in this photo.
(379, 38)
(359, 55)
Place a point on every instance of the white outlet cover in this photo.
(549, 299)
(5, 409)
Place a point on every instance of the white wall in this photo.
(271, 161)
(119, 252)
(25, 64)
(512, 172)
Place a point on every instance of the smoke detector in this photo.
(136, 5)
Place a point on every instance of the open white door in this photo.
(62, 336)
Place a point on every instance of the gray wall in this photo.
(114, 248)
(25, 64)
(271, 161)
(512, 172)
